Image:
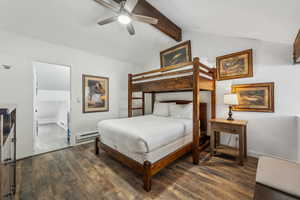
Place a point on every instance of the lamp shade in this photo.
(231, 99)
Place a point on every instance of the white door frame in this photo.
(72, 138)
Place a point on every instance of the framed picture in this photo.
(258, 97)
(177, 55)
(95, 94)
(236, 65)
(296, 53)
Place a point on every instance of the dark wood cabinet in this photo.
(7, 151)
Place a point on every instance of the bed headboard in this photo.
(203, 111)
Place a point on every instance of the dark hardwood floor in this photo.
(76, 173)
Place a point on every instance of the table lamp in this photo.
(230, 99)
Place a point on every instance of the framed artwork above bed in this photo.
(176, 56)
(236, 65)
(258, 97)
(95, 97)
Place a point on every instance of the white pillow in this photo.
(161, 109)
(181, 111)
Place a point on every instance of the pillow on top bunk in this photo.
(181, 111)
(161, 109)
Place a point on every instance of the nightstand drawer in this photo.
(227, 128)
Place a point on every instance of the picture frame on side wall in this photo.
(296, 53)
(95, 97)
(257, 97)
(235, 65)
(178, 55)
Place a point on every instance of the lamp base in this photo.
(230, 118)
(230, 114)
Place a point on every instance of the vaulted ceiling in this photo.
(73, 23)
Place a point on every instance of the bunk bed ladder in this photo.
(131, 98)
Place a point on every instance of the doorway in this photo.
(51, 107)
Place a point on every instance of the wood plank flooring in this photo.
(76, 173)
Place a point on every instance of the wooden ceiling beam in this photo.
(164, 25)
(297, 49)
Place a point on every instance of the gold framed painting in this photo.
(258, 97)
(236, 65)
(178, 55)
(95, 96)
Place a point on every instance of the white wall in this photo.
(298, 131)
(16, 85)
(52, 76)
(52, 106)
(269, 133)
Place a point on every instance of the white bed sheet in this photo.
(155, 155)
(143, 134)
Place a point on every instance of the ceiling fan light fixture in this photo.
(124, 19)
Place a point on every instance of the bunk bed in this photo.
(193, 76)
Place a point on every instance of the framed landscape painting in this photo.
(258, 97)
(176, 56)
(236, 65)
(95, 94)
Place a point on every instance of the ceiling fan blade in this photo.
(108, 5)
(130, 29)
(108, 20)
(130, 5)
(145, 19)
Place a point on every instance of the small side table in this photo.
(237, 127)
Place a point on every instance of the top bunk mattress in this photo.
(143, 134)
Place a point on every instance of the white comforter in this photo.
(143, 134)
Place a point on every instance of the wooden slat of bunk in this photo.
(140, 108)
(205, 67)
(137, 98)
(180, 83)
(183, 83)
(206, 73)
(163, 69)
(185, 71)
(165, 74)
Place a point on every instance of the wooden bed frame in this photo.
(202, 78)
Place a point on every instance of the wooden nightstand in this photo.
(237, 127)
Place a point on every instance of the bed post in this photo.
(97, 146)
(213, 96)
(196, 110)
(213, 104)
(153, 100)
(143, 103)
(147, 175)
(129, 95)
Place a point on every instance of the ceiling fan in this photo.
(124, 14)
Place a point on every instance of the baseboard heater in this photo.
(86, 137)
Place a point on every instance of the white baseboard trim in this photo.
(86, 137)
(259, 154)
